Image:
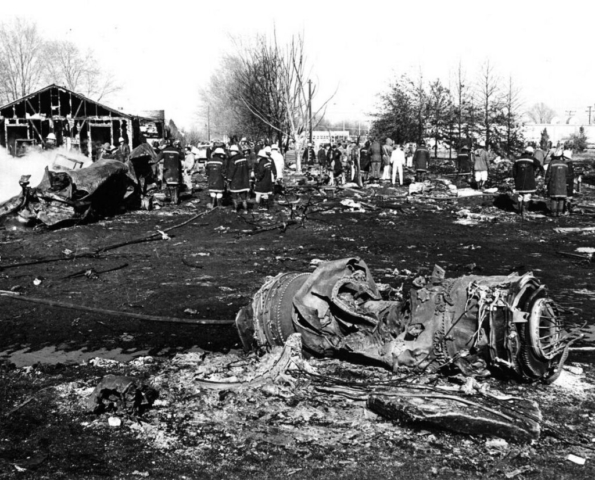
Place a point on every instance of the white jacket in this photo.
(279, 162)
(397, 157)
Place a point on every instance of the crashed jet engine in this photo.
(506, 325)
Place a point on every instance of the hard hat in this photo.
(106, 146)
(529, 149)
(262, 153)
(558, 153)
(219, 151)
(121, 139)
(275, 147)
(51, 136)
(234, 148)
(267, 150)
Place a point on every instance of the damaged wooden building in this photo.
(76, 121)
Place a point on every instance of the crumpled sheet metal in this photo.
(103, 187)
(470, 324)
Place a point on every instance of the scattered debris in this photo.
(576, 459)
(122, 394)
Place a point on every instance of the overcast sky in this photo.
(163, 51)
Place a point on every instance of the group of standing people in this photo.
(474, 162)
(242, 168)
(534, 163)
(234, 169)
(559, 177)
(373, 162)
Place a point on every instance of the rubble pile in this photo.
(231, 404)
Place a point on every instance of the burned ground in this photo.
(211, 267)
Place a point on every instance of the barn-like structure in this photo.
(77, 122)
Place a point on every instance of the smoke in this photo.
(34, 163)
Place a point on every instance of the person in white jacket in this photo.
(397, 160)
(277, 157)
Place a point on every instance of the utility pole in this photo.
(589, 110)
(209, 123)
(310, 110)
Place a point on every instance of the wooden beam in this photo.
(32, 107)
(78, 110)
(36, 131)
(90, 144)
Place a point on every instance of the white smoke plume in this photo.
(34, 163)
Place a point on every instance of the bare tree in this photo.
(439, 110)
(464, 109)
(489, 97)
(512, 113)
(264, 88)
(541, 113)
(21, 59)
(68, 66)
(420, 104)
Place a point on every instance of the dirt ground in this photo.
(211, 267)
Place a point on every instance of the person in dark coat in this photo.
(524, 171)
(309, 155)
(365, 159)
(337, 164)
(265, 171)
(464, 161)
(171, 159)
(321, 156)
(215, 170)
(238, 177)
(421, 162)
(375, 160)
(559, 176)
(123, 153)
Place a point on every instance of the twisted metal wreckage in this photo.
(475, 325)
(70, 196)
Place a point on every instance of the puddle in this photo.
(52, 355)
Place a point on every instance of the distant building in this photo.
(329, 136)
(76, 121)
(557, 132)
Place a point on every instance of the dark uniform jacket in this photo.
(421, 158)
(364, 159)
(559, 177)
(123, 152)
(322, 157)
(172, 164)
(215, 173)
(336, 158)
(238, 173)
(308, 156)
(464, 162)
(523, 172)
(265, 169)
(376, 152)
